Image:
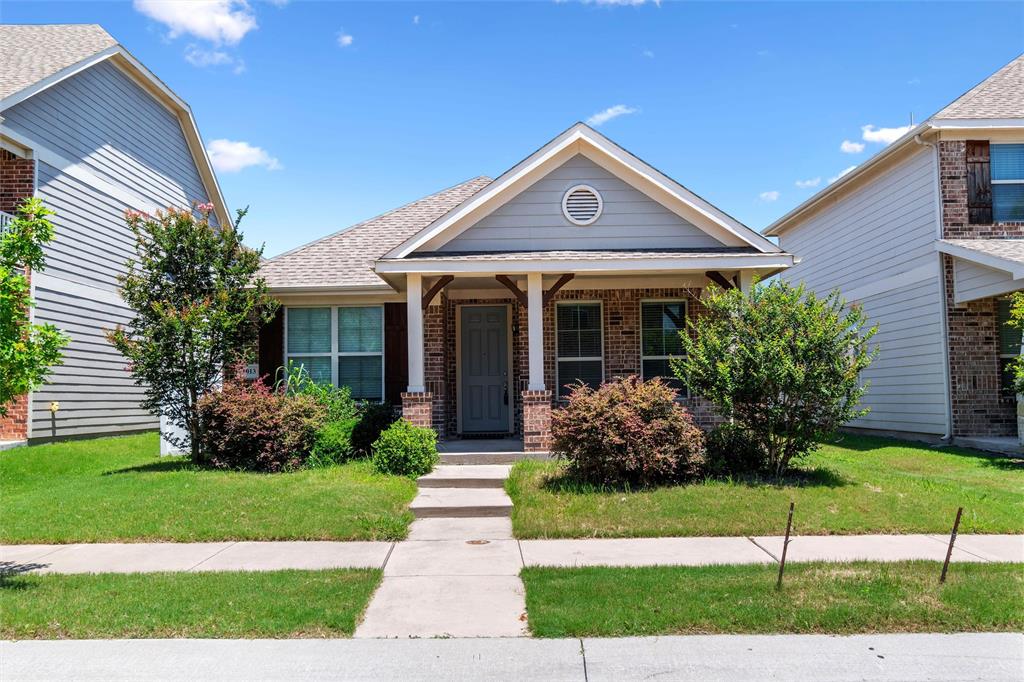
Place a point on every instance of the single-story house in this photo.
(475, 307)
(928, 236)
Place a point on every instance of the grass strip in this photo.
(840, 598)
(162, 605)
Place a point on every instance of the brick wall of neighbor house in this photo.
(621, 348)
(17, 182)
(978, 407)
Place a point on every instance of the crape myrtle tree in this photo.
(27, 351)
(781, 363)
(198, 306)
(1016, 321)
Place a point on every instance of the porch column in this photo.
(416, 402)
(536, 399)
(746, 281)
(535, 311)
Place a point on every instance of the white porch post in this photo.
(413, 299)
(535, 310)
(746, 281)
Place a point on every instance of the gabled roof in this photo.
(1001, 95)
(345, 259)
(582, 139)
(1000, 254)
(36, 57)
(996, 102)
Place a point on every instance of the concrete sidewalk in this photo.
(909, 658)
(465, 554)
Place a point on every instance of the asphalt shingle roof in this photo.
(1001, 95)
(1007, 249)
(31, 53)
(345, 259)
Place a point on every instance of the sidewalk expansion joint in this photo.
(583, 655)
(945, 543)
(388, 556)
(189, 570)
(763, 549)
(519, 544)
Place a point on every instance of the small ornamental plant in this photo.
(627, 432)
(405, 450)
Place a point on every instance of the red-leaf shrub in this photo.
(630, 432)
(248, 426)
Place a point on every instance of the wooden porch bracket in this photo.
(717, 277)
(436, 287)
(511, 286)
(562, 281)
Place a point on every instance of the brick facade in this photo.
(536, 421)
(17, 182)
(978, 407)
(417, 408)
(621, 319)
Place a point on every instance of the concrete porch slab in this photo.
(471, 476)
(131, 558)
(1003, 445)
(1009, 548)
(642, 552)
(446, 606)
(486, 528)
(11, 444)
(473, 445)
(461, 502)
(862, 548)
(272, 556)
(454, 558)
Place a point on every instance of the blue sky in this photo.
(322, 114)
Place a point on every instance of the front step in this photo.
(478, 476)
(480, 458)
(461, 503)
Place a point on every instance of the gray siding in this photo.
(533, 220)
(876, 244)
(128, 151)
(976, 281)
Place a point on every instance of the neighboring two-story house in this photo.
(928, 236)
(91, 131)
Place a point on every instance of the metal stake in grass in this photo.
(785, 546)
(952, 539)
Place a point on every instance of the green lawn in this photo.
(833, 598)
(145, 605)
(857, 485)
(120, 489)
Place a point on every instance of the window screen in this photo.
(578, 335)
(660, 325)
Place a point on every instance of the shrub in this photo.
(333, 443)
(338, 402)
(405, 450)
(375, 418)
(731, 449)
(628, 432)
(781, 362)
(248, 426)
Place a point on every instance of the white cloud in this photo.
(914, 81)
(648, 53)
(229, 156)
(344, 39)
(849, 147)
(773, 195)
(416, 19)
(608, 114)
(630, 3)
(218, 21)
(812, 182)
(883, 135)
(841, 173)
(201, 57)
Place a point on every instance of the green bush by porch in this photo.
(835, 598)
(855, 485)
(120, 489)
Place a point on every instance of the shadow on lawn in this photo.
(156, 467)
(9, 570)
(798, 478)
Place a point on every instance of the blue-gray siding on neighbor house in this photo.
(533, 220)
(105, 145)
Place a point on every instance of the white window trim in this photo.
(558, 358)
(685, 391)
(334, 354)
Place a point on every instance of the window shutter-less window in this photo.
(979, 183)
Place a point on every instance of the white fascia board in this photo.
(976, 123)
(579, 139)
(440, 266)
(1015, 268)
(332, 289)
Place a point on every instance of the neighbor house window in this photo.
(578, 336)
(341, 346)
(1007, 182)
(660, 325)
(1009, 347)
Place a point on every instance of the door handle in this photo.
(504, 392)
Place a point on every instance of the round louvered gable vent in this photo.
(582, 205)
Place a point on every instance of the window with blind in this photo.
(660, 325)
(342, 346)
(1007, 168)
(579, 345)
(1009, 347)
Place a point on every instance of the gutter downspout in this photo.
(948, 436)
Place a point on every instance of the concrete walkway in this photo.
(801, 658)
(454, 541)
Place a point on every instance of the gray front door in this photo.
(483, 395)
